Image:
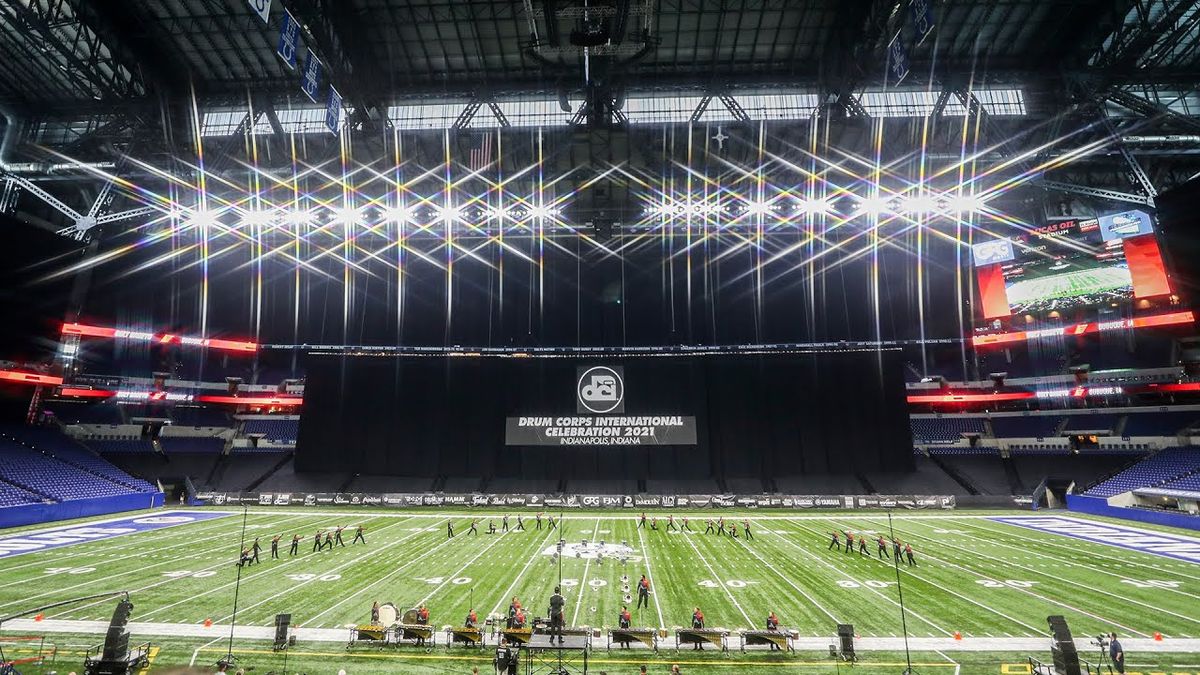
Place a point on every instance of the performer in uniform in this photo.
(849, 541)
(773, 624)
(896, 548)
(862, 545)
(255, 549)
(295, 545)
(358, 535)
(375, 613)
(721, 525)
(513, 608)
(317, 541)
(491, 526)
(643, 593)
(642, 521)
(423, 620)
(539, 520)
(471, 619)
(624, 621)
(685, 525)
(551, 523)
(473, 530)
(328, 540)
(671, 523)
(338, 532)
(909, 555)
(449, 529)
(244, 559)
(746, 529)
(654, 523)
(709, 529)
(557, 603)
(505, 523)
(834, 542)
(520, 524)
(275, 546)
(881, 548)
(698, 624)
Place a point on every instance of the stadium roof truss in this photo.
(1096, 98)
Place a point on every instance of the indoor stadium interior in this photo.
(600, 336)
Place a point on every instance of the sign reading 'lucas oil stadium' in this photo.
(601, 418)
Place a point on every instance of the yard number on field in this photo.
(314, 577)
(731, 583)
(69, 570)
(1007, 583)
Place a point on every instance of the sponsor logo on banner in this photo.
(414, 500)
(432, 500)
(647, 501)
(682, 501)
(310, 500)
(572, 502)
(310, 77)
(992, 251)
(553, 502)
(479, 500)
(600, 390)
(534, 500)
(265, 499)
(591, 500)
(611, 501)
(515, 500)
(326, 499)
(262, 8)
(373, 500)
(668, 501)
(747, 502)
(832, 503)
(289, 40)
(341, 498)
(282, 500)
(455, 500)
(723, 501)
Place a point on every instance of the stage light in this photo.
(204, 218)
(347, 215)
(873, 206)
(815, 206)
(399, 214)
(964, 204)
(758, 208)
(543, 212)
(921, 205)
(299, 218)
(257, 218)
(449, 213)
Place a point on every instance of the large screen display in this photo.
(1069, 264)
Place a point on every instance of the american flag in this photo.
(481, 153)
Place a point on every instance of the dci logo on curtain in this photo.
(600, 390)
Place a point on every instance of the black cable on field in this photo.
(900, 590)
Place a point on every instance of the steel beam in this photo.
(700, 108)
(1102, 193)
(734, 108)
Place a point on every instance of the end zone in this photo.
(1164, 544)
(66, 535)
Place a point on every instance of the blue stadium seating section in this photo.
(944, 429)
(1190, 483)
(280, 430)
(1032, 426)
(1169, 465)
(123, 445)
(1160, 423)
(54, 468)
(11, 495)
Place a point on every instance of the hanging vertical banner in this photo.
(289, 40)
(262, 8)
(310, 76)
(922, 18)
(333, 110)
(897, 59)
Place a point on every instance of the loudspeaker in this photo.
(116, 641)
(845, 633)
(1066, 658)
(282, 621)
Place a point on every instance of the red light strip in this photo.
(161, 338)
(1179, 386)
(970, 398)
(29, 378)
(87, 393)
(1172, 319)
(252, 400)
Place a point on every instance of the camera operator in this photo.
(1116, 652)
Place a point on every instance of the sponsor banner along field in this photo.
(975, 577)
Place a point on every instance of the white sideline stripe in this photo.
(141, 629)
(92, 582)
(354, 594)
(1029, 592)
(583, 583)
(536, 552)
(650, 575)
(749, 622)
(484, 512)
(789, 582)
(874, 590)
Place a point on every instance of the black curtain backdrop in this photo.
(756, 415)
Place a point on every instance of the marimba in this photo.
(781, 638)
(465, 634)
(368, 632)
(646, 636)
(413, 631)
(692, 636)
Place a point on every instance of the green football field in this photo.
(1069, 284)
(987, 582)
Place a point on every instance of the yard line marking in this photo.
(650, 574)
(789, 582)
(749, 622)
(210, 591)
(1013, 532)
(583, 583)
(371, 585)
(114, 576)
(536, 552)
(1027, 591)
(338, 568)
(1098, 590)
(869, 588)
(465, 566)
